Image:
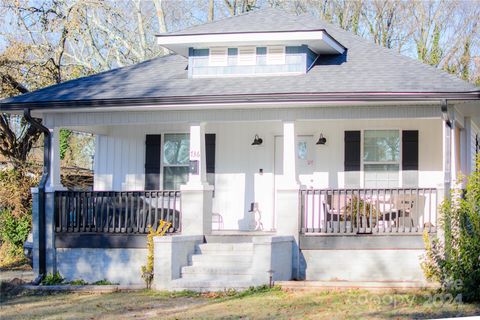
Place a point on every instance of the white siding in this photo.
(330, 157)
(120, 156)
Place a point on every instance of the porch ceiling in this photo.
(469, 109)
(269, 113)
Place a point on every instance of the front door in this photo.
(306, 161)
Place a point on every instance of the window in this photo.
(302, 150)
(276, 55)
(381, 158)
(247, 56)
(176, 159)
(218, 57)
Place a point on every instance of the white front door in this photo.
(305, 160)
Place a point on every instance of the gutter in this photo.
(41, 191)
(244, 98)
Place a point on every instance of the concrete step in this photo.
(209, 285)
(206, 277)
(215, 270)
(224, 248)
(236, 237)
(218, 266)
(227, 260)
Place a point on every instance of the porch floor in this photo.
(232, 236)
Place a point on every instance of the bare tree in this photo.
(211, 10)
(235, 7)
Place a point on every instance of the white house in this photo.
(277, 145)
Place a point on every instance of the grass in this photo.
(257, 303)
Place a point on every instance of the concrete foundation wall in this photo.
(363, 265)
(115, 265)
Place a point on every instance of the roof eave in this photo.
(245, 99)
(321, 41)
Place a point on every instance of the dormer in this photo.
(251, 53)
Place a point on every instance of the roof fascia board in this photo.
(329, 40)
(170, 41)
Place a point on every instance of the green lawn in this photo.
(260, 304)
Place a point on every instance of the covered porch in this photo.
(377, 176)
(393, 170)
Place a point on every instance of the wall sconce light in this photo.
(322, 139)
(257, 141)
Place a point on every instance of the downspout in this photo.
(41, 190)
(445, 115)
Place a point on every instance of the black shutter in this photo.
(410, 150)
(210, 152)
(352, 151)
(152, 161)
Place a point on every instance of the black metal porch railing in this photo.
(364, 211)
(116, 212)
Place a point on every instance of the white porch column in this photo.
(468, 165)
(287, 206)
(197, 155)
(54, 181)
(447, 157)
(453, 153)
(196, 195)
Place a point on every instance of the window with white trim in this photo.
(276, 55)
(381, 158)
(218, 57)
(176, 160)
(247, 56)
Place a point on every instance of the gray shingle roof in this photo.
(365, 67)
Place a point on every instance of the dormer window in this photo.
(276, 55)
(247, 56)
(218, 57)
(259, 53)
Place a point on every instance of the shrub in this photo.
(362, 207)
(15, 213)
(14, 229)
(52, 279)
(454, 261)
(15, 185)
(147, 270)
(78, 282)
(104, 282)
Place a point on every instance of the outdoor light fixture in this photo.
(322, 139)
(257, 141)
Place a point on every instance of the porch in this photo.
(322, 211)
(369, 192)
(245, 178)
